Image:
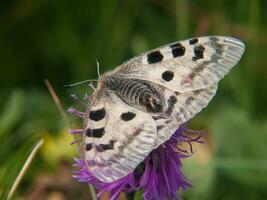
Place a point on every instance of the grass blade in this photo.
(25, 168)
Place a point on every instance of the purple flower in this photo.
(160, 175)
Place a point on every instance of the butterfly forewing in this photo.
(122, 138)
(186, 65)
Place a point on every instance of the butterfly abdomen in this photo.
(137, 93)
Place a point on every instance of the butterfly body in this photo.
(140, 104)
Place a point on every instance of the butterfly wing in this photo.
(186, 65)
(146, 99)
(180, 108)
(118, 137)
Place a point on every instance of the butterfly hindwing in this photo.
(186, 65)
(181, 108)
(119, 139)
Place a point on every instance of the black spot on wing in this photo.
(171, 102)
(96, 133)
(177, 50)
(167, 75)
(104, 147)
(88, 147)
(97, 115)
(193, 41)
(154, 57)
(127, 116)
(198, 51)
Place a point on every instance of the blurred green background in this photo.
(61, 39)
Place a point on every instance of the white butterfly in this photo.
(140, 104)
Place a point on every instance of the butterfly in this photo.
(139, 105)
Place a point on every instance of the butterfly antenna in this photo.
(98, 68)
(91, 85)
(74, 84)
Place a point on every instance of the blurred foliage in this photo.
(61, 40)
